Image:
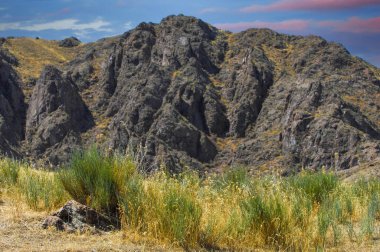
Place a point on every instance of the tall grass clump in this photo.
(316, 186)
(41, 190)
(268, 217)
(96, 179)
(169, 209)
(235, 177)
(9, 171)
(132, 203)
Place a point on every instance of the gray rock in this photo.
(12, 107)
(74, 216)
(56, 116)
(185, 94)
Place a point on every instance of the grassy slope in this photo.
(34, 54)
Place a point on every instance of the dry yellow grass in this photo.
(279, 58)
(34, 54)
(229, 211)
(20, 230)
(227, 144)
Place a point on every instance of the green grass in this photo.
(40, 190)
(9, 172)
(97, 180)
(316, 186)
(230, 211)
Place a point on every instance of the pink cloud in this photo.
(287, 25)
(282, 5)
(354, 25)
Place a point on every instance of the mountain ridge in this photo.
(185, 94)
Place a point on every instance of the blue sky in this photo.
(354, 23)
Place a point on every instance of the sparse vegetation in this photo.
(222, 211)
(27, 50)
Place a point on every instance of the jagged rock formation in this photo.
(56, 116)
(183, 93)
(12, 107)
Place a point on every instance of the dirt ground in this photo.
(20, 230)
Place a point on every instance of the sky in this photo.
(353, 23)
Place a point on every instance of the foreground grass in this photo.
(230, 211)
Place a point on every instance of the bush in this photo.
(317, 186)
(97, 180)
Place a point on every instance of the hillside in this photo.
(185, 94)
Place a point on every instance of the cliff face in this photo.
(182, 93)
(12, 106)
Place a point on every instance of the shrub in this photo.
(317, 186)
(97, 180)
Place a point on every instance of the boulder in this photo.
(74, 216)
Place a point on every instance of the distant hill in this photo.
(185, 94)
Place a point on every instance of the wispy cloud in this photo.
(9, 26)
(286, 25)
(2, 9)
(289, 5)
(212, 10)
(353, 25)
(65, 24)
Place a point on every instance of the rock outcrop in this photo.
(56, 116)
(185, 94)
(12, 106)
(69, 42)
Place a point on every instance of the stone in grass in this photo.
(74, 216)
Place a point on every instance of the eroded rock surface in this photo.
(56, 116)
(12, 106)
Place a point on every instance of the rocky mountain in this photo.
(182, 93)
